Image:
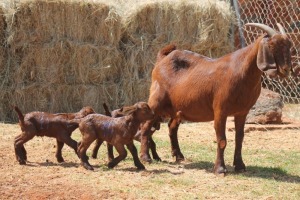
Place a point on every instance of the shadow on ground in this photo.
(274, 173)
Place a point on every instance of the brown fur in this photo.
(116, 131)
(50, 125)
(205, 89)
(119, 113)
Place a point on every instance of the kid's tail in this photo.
(20, 115)
(107, 112)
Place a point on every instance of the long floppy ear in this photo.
(265, 59)
(129, 110)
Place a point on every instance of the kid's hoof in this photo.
(145, 158)
(60, 160)
(87, 166)
(111, 165)
(142, 167)
(22, 162)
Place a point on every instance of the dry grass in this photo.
(272, 159)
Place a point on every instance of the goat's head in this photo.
(85, 111)
(274, 55)
(141, 110)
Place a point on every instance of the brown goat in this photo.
(119, 113)
(206, 89)
(116, 131)
(47, 124)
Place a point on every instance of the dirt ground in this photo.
(44, 178)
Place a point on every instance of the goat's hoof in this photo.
(240, 168)
(60, 160)
(146, 158)
(22, 162)
(111, 165)
(157, 158)
(87, 166)
(220, 171)
(140, 167)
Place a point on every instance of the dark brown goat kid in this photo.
(116, 131)
(206, 89)
(47, 124)
(119, 113)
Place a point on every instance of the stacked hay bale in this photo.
(200, 26)
(65, 55)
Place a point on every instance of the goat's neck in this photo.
(248, 57)
(132, 123)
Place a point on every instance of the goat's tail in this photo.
(107, 112)
(165, 51)
(20, 115)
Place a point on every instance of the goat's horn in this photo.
(281, 29)
(263, 27)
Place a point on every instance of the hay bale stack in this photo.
(200, 26)
(4, 91)
(61, 51)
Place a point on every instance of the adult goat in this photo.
(205, 89)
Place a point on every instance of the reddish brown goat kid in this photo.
(47, 124)
(119, 113)
(206, 89)
(116, 131)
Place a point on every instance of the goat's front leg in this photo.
(135, 157)
(96, 148)
(153, 149)
(87, 140)
(239, 122)
(66, 138)
(145, 134)
(122, 155)
(220, 126)
(58, 154)
(173, 129)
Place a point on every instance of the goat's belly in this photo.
(203, 114)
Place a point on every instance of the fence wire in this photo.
(270, 12)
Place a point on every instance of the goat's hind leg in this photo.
(20, 152)
(135, 156)
(238, 163)
(173, 130)
(66, 138)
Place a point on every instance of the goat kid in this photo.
(116, 131)
(47, 124)
(119, 113)
(206, 89)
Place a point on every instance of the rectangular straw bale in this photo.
(64, 42)
(44, 21)
(69, 98)
(67, 62)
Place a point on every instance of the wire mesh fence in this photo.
(270, 12)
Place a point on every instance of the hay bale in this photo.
(200, 26)
(61, 49)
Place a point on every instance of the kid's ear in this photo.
(129, 110)
(265, 59)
